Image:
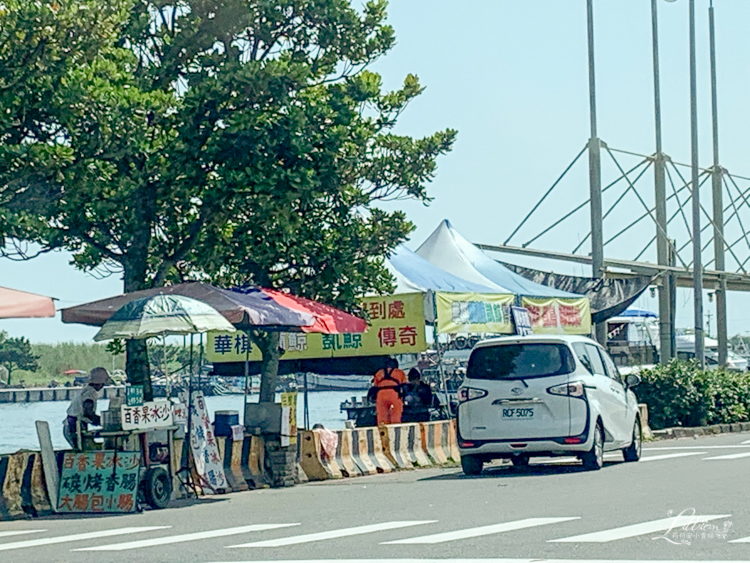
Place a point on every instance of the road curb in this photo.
(713, 430)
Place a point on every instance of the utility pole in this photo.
(660, 197)
(697, 262)
(595, 175)
(718, 215)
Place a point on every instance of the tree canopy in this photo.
(241, 141)
(15, 353)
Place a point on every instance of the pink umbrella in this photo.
(16, 304)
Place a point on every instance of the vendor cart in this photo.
(123, 466)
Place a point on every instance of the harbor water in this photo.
(18, 430)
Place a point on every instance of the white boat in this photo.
(317, 382)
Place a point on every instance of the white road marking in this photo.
(634, 530)
(482, 531)
(662, 448)
(534, 560)
(670, 456)
(741, 540)
(78, 537)
(729, 456)
(185, 537)
(746, 442)
(19, 533)
(332, 534)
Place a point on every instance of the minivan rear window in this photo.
(514, 361)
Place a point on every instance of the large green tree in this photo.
(16, 353)
(240, 140)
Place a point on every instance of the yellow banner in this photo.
(397, 326)
(474, 312)
(558, 316)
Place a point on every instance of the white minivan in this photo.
(527, 396)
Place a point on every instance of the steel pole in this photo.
(718, 204)
(660, 199)
(595, 174)
(697, 263)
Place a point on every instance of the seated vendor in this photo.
(418, 398)
(82, 408)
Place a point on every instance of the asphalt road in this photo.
(626, 511)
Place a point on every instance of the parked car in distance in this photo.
(560, 395)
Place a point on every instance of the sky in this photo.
(512, 78)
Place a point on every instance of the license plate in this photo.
(518, 413)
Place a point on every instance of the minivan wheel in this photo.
(593, 460)
(520, 460)
(471, 464)
(633, 451)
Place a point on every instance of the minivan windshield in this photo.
(517, 361)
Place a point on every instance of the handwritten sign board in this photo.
(134, 395)
(104, 481)
(208, 462)
(288, 418)
(151, 414)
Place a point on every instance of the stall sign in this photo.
(151, 414)
(474, 312)
(559, 315)
(397, 326)
(521, 321)
(288, 418)
(102, 481)
(208, 463)
(134, 395)
(179, 412)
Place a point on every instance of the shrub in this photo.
(680, 394)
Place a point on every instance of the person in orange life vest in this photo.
(388, 381)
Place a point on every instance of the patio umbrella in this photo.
(246, 308)
(162, 315)
(16, 304)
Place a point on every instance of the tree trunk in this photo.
(268, 342)
(136, 352)
(136, 366)
(9, 370)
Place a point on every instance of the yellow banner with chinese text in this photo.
(559, 316)
(474, 312)
(397, 326)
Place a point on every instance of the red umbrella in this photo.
(328, 320)
(16, 304)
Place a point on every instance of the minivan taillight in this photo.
(469, 394)
(573, 389)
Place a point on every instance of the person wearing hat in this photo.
(82, 409)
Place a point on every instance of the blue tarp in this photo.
(633, 312)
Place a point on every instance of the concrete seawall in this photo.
(52, 394)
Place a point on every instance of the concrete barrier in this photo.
(231, 454)
(404, 446)
(369, 451)
(315, 463)
(23, 491)
(252, 461)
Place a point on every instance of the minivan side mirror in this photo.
(632, 380)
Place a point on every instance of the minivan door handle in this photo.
(510, 401)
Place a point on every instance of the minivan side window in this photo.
(589, 357)
(596, 359)
(610, 365)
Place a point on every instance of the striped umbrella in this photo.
(162, 315)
